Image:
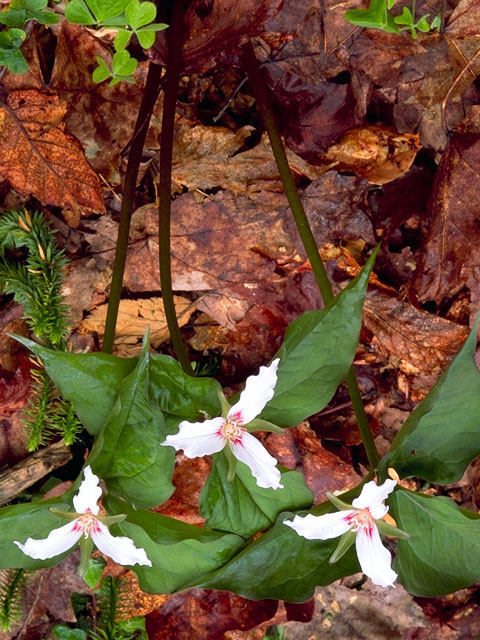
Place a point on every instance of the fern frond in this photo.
(12, 582)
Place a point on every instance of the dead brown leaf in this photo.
(379, 154)
(134, 317)
(198, 614)
(206, 157)
(450, 259)
(38, 157)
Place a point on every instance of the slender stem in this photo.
(259, 87)
(175, 38)
(149, 98)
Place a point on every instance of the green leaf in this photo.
(442, 435)
(139, 13)
(10, 54)
(61, 632)
(443, 552)
(94, 573)
(181, 554)
(122, 39)
(123, 64)
(127, 453)
(405, 17)
(282, 565)
(242, 506)
(29, 520)
(422, 25)
(107, 9)
(77, 11)
(375, 17)
(146, 38)
(102, 72)
(316, 354)
(90, 380)
(436, 22)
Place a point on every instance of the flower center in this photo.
(87, 521)
(232, 432)
(362, 518)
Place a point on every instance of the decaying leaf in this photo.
(379, 154)
(207, 157)
(38, 157)
(134, 316)
(450, 259)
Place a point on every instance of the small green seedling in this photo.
(378, 16)
(123, 68)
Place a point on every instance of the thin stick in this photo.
(259, 87)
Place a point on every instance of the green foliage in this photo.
(20, 11)
(443, 552)
(275, 632)
(12, 582)
(243, 507)
(316, 354)
(378, 16)
(127, 17)
(442, 435)
(10, 54)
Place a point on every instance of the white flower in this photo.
(375, 560)
(204, 438)
(120, 549)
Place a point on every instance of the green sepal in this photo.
(340, 504)
(86, 548)
(109, 520)
(389, 530)
(343, 546)
(224, 404)
(258, 424)
(65, 515)
(232, 463)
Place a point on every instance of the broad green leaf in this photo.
(242, 506)
(77, 11)
(180, 396)
(442, 435)
(90, 380)
(443, 552)
(138, 14)
(123, 64)
(127, 453)
(375, 17)
(181, 554)
(21, 521)
(107, 9)
(10, 54)
(282, 565)
(316, 354)
(20, 11)
(102, 72)
(61, 632)
(405, 17)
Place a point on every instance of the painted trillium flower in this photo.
(361, 523)
(229, 432)
(87, 523)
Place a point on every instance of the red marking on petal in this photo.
(236, 417)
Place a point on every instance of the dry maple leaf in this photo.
(38, 157)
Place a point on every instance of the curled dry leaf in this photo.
(379, 154)
(38, 157)
(134, 317)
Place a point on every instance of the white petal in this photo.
(374, 558)
(198, 438)
(57, 541)
(119, 548)
(88, 493)
(330, 525)
(372, 496)
(263, 466)
(258, 391)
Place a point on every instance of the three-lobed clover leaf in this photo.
(10, 54)
(123, 67)
(20, 11)
(139, 16)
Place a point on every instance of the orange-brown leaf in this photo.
(39, 158)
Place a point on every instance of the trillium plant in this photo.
(146, 413)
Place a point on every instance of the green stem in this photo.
(175, 38)
(149, 98)
(259, 87)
